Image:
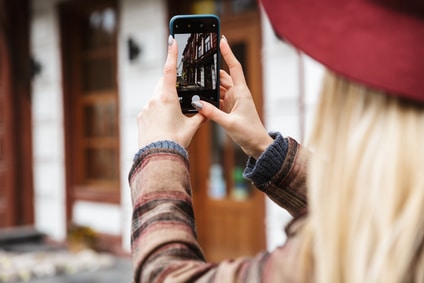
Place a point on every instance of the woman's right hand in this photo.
(238, 115)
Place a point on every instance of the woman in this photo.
(363, 218)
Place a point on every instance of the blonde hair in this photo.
(366, 187)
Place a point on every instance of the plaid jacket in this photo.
(163, 239)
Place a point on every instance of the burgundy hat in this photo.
(376, 42)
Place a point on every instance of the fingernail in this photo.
(170, 40)
(223, 38)
(197, 104)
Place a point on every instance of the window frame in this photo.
(77, 99)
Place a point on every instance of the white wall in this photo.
(47, 111)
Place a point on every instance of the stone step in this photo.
(21, 238)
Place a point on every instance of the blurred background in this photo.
(73, 76)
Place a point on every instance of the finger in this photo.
(170, 68)
(232, 62)
(211, 112)
(225, 79)
(221, 104)
(222, 92)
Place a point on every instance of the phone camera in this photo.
(201, 25)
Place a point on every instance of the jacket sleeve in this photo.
(280, 172)
(163, 237)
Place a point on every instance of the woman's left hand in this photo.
(161, 118)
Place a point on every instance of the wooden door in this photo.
(231, 223)
(230, 213)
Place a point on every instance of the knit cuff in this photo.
(269, 162)
(164, 145)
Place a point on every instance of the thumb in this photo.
(213, 113)
(170, 67)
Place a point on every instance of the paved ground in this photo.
(62, 266)
(26, 257)
(120, 272)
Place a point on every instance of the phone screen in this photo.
(198, 60)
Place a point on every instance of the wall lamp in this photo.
(134, 49)
(35, 68)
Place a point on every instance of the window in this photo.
(199, 51)
(207, 43)
(92, 99)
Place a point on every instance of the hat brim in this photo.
(361, 40)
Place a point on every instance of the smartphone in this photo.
(198, 62)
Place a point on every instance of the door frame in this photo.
(14, 33)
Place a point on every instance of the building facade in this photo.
(199, 63)
(98, 63)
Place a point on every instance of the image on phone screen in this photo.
(197, 63)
